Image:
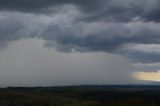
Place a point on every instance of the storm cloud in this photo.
(116, 10)
(66, 32)
(127, 28)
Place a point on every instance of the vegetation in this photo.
(80, 96)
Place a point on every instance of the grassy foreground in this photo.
(81, 96)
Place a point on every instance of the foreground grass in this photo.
(78, 96)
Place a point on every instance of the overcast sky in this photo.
(76, 42)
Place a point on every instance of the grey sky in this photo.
(27, 63)
(100, 37)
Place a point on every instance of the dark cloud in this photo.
(99, 25)
(102, 43)
(143, 57)
(42, 5)
(106, 10)
(110, 38)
